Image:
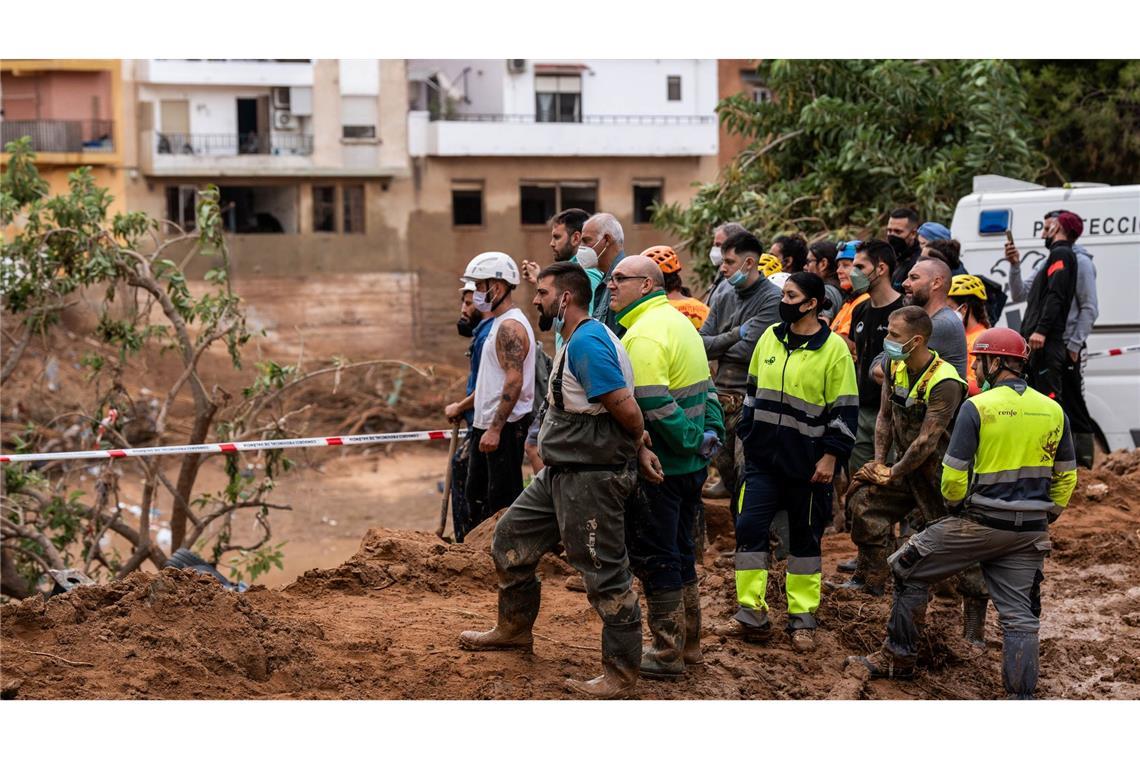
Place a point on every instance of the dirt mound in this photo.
(384, 625)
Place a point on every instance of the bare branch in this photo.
(228, 509)
(51, 555)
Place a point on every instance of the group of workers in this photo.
(869, 363)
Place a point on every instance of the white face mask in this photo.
(961, 316)
(715, 256)
(482, 301)
(586, 257)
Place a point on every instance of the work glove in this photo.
(710, 445)
(741, 330)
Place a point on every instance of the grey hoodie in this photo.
(1083, 311)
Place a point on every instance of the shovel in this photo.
(447, 479)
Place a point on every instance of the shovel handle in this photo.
(447, 480)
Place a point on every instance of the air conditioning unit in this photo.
(284, 120)
(281, 98)
(516, 65)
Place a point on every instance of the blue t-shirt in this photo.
(477, 340)
(593, 359)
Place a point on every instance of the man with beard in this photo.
(902, 234)
(591, 436)
(928, 285)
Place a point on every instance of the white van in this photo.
(1112, 236)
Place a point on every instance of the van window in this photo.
(993, 222)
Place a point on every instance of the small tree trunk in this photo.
(187, 475)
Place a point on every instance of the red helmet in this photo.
(1001, 341)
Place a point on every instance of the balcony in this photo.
(220, 155)
(265, 72)
(595, 135)
(60, 135)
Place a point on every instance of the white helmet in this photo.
(779, 278)
(492, 265)
(468, 286)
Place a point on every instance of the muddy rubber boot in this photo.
(621, 657)
(1019, 653)
(691, 596)
(1085, 444)
(870, 574)
(974, 620)
(847, 565)
(518, 609)
(667, 625)
(883, 664)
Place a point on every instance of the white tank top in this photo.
(489, 383)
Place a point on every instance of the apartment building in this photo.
(499, 146)
(71, 109)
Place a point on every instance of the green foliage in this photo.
(842, 142)
(248, 565)
(1089, 115)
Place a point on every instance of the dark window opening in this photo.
(645, 195)
(537, 203)
(353, 204)
(180, 206)
(358, 132)
(467, 205)
(673, 88)
(324, 208)
(558, 98)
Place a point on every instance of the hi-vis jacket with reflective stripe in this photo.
(938, 370)
(671, 382)
(1018, 443)
(801, 403)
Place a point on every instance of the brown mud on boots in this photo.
(667, 625)
(691, 596)
(883, 664)
(621, 656)
(974, 620)
(518, 609)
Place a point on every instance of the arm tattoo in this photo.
(511, 346)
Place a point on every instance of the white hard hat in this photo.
(779, 278)
(467, 287)
(492, 265)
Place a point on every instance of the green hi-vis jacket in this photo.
(1018, 444)
(938, 370)
(800, 404)
(671, 382)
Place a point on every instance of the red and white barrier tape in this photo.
(230, 448)
(1114, 352)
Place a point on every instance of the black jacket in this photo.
(1047, 309)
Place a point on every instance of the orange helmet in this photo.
(665, 257)
(1000, 341)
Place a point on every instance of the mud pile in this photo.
(383, 626)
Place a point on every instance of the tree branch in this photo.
(51, 555)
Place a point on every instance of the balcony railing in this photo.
(251, 143)
(529, 118)
(61, 136)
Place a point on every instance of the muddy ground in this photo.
(383, 625)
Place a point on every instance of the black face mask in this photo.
(898, 244)
(790, 312)
(1050, 242)
(466, 327)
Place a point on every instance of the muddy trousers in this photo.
(875, 508)
(494, 479)
(460, 509)
(762, 494)
(659, 531)
(585, 511)
(1011, 563)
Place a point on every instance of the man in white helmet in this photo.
(503, 399)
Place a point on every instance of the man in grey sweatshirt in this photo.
(735, 323)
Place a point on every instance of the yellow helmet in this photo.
(967, 285)
(769, 264)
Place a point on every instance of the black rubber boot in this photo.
(1019, 654)
(518, 608)
(621, 657)
(691, 596)
(667, 624)
(974, 620)
(1085, 444)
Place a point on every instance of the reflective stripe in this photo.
(653, 415)
(841, 426)
(845, 401)
(694, 412)
(1012, 476)
(768, 394)
(690, 390)
(775, 418)
(650, 391)
(751, 588)
(751, 560)
(750, 401)
(805, 565)
(1019, 505)
(1065, 466)
(956, 463)
(803, 593)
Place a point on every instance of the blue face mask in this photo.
(739, 277)
(895, 351)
